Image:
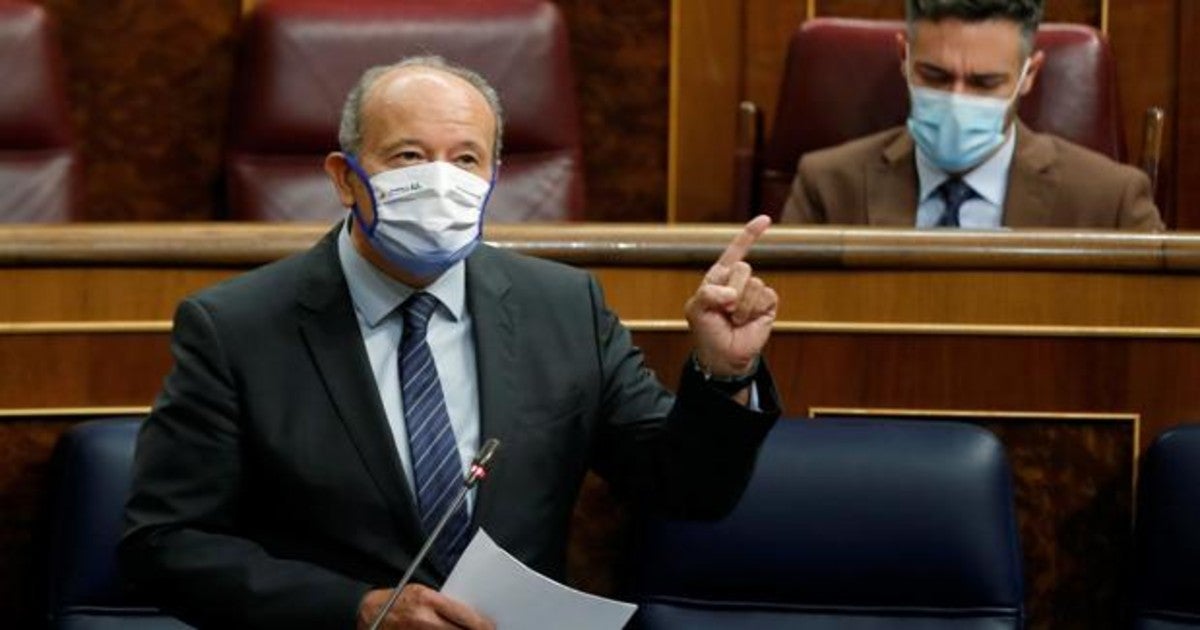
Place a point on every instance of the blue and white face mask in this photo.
(958, 131)
(427, 217)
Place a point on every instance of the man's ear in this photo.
(1036, 60)
(342, 176)
(902, 52)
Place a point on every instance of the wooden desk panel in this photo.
(82, 369)
(39, 295)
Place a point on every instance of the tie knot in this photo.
(955, 191)
(417, 309)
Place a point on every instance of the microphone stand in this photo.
(478, 471)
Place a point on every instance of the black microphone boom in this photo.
(476, 473)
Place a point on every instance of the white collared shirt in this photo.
(989, 180)
(376, 297)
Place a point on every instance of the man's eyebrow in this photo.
(400, 142)
(394, 145)
(927, 66)
(987, 76)
(472, 145)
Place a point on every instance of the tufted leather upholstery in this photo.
(39, 179)
(1168, 533)
(849, 524)
(842, 81)
(301, 57)
(92, 470)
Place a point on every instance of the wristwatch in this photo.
(728, 385)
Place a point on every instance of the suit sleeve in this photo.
(181, 540)
(1138, 211)
(803, 204)
(688, 456)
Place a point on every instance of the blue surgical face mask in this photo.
(958, 131)
(425, 218)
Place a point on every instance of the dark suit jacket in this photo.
(268, 491)
(1052, 183)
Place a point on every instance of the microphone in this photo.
(476, 472)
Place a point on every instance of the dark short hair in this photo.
(1026, 13)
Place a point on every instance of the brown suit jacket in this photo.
(1052, 183)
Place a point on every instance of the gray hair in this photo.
(1026, 13)
(350, 131)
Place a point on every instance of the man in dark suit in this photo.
(963, 159)
(291, 466)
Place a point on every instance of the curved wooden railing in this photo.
(226, 244)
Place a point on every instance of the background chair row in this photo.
(298, 60)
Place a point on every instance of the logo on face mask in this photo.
(426, 217)
(958, 131)
(383, 196)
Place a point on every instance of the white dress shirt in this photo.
(989, 180)
(377, 297)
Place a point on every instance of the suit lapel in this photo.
(330, 330)
(891, 188)
(494, 315)
(1032, 182)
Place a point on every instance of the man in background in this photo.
(964, 159)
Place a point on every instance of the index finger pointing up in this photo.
(740, 246)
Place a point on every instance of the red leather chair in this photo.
(39, 167)
(301, 57)
(842, 81)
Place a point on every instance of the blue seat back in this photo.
(92, 469)
(1168, 533)
(849, 524)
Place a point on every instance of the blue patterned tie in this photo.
(437, 471)
(955, 192)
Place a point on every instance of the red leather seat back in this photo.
(301, 57)
(843, 80)
(39, 168)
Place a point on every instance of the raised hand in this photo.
(731, 312)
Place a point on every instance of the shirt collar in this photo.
(989, 180)
(376, 295)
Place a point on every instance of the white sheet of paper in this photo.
(516, 597)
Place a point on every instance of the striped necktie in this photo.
(437, 471)
(955, 192)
